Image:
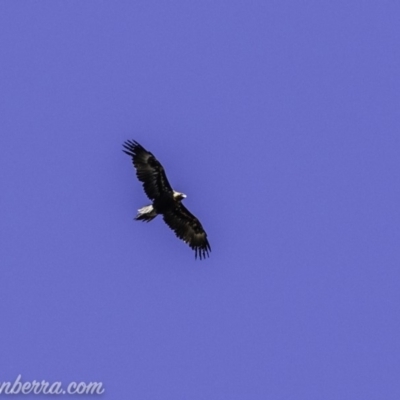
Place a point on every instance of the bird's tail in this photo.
(146, 214)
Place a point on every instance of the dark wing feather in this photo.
(188, 228)
(148, 170)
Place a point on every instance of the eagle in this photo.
(165, 201)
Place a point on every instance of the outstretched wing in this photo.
(148, 170)
(188, 228)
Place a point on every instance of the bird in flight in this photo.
(165, 201)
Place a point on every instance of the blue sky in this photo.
(279, 120)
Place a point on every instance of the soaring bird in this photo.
(165, 201)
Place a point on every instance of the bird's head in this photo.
(179, 196)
